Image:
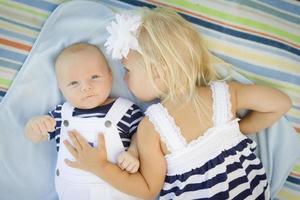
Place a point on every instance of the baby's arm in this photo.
(129, 160)
(266, 105)
(37, 128)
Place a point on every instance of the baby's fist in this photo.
(128, 162)
(37, 128)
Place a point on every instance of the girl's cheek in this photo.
(126, 77)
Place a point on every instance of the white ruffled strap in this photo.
(221, 103)
(165, 125)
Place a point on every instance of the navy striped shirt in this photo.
(127, 126)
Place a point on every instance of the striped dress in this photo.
(126, 127)
(219, 165)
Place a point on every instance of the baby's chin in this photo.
(89, 104)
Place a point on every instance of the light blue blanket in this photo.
(27, 169)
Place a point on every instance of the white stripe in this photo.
(126, 140)
(240, 188)
(135, 111)
(259, 190)
(136, 121)
(127, 115)
(132, 128)
(57, 136)
(125, 123)
(90, 115)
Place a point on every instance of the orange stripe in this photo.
(15, 44)
(297, 129)
(223, 23)
(294, 174)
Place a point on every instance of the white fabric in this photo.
(221, 103)
(76, 184)
(114, 113)
(165, 125)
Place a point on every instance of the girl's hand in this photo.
(86, 157)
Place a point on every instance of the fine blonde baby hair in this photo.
(75, 48)
(172, 48)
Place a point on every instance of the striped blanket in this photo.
(261, 39)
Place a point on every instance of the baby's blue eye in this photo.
(95, 76)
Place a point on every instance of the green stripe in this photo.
(296, 168)
(262, 80)
(198, 8)
(24, 9)
(5, 82)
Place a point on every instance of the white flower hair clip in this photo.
(123, 35)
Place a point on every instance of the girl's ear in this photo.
(158, 77)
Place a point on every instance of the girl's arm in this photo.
(145, 184)
(266, 105)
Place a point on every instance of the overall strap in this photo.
(118, 110)
(221, 103)
(66, 110)
(165, 125)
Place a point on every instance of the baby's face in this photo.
(84, 79)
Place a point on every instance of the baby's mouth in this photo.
(89, 96)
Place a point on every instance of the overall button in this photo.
(107, 124)
(66, 123)
(57, 172)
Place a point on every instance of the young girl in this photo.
(191, 145)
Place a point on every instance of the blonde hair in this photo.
(170, 42)
(75, 48)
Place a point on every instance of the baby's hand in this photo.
(128, 162)
(37, 128)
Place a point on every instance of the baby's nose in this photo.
(86, 87)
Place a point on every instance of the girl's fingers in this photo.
(80, 139)
(71, 163)
(101, 142)
(71, 149)
(75, 141)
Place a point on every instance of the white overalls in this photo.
(76, 184)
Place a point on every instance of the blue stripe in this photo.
(17, 35)
(271, 11)
(20, 24)
(296, 107)
(138, 3)
(226, 30)
(243, 35)
(271, 73)
(118, 4)
(282, 5)
(293, 180)
(4, 53)
(10, 65)
(293, 119)
(291, 186)
(44, 5)
(2, 93)
(249, 44)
